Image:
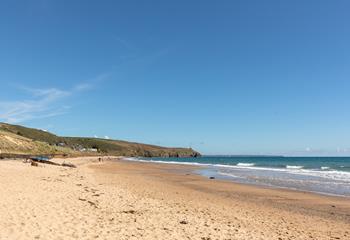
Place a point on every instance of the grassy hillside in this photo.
(11, 143)
(22, 140)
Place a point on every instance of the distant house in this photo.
(61, 144)
(88, 150)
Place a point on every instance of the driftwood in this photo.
(44, 161)
(68, 165)
(39, 160)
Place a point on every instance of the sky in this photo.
(222, 77)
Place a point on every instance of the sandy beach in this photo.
(132, 200)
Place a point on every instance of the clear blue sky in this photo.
(225, 77)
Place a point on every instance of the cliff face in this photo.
(16, 139)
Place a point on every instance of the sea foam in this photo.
(294, 167)
(291, 169)
(245, 164)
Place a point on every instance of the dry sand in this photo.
(130, 200)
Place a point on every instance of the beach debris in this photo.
(130, 211)
(183, 222)
(34, 164)
(64, 164)
(92, 204)
(27, 160)
(45, 160)
(211, 177)
(41, 159)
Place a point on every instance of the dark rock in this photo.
(130, 211)
(34, 164)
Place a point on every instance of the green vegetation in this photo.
(16, 139)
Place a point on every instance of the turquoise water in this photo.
(327, 175)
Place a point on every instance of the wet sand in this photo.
(132, 200)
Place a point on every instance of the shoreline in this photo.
(206, 166)
(188, 171)
(120, 199)
(285, 207)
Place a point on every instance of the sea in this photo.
(324, 175)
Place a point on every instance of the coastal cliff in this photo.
(15, 139)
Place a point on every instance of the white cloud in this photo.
(106, 137)
(50, 93)
(43, 102)
(341, 150)
(90, 85)
(83, 87)
(40, 105)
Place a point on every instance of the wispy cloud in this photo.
(49, 102)
(84, 87)
(123, 42)
(90, 85)
(137, 61)
(42, 103)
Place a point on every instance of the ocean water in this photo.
(326, 175)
